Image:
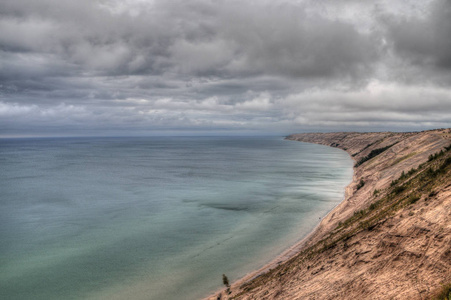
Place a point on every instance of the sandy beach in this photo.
(282, 278)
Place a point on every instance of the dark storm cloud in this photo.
(424, 40)
(214, 64)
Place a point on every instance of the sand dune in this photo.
(389, 239)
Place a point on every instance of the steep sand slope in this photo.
(399, 247)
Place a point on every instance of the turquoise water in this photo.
(155, 218)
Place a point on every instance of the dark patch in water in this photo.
(226, 207)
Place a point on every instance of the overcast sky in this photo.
(145, 67)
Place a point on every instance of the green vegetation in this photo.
(444, 293)
(398, 189)
(432, 194)
(439, 154)
(361, 184)
(413, 198)
(225, 281)
(405, 176)
(435, 156)
(418, 184)
(373, 153)
(408, 189)
(404, 158)
(366, 147)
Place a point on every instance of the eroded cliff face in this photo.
(391, 236)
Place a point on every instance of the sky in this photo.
(207, 67)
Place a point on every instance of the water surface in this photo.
(154, 218)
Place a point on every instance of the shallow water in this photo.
(155, 218)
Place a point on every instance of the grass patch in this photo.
(403, 158)
(366, 147)
(415, 183)
(408, 189)
(413, 198)
(398, 189)
(373, 153)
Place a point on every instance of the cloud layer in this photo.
(108, 67)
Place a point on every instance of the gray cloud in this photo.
(190, 38)
(223, 65)
(425, 40)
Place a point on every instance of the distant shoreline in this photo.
(288, 253)
(329, 267)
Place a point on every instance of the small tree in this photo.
(225, 280)
(361, 184)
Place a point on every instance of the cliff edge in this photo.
(391, 236)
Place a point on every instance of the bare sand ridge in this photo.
(389, 239)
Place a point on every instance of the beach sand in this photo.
(339, 278)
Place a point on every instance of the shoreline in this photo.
(321, 267)
(291, 251)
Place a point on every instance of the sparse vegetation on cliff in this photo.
(397, 230)
(406, 190)
(361, 184)
(444, 293)
(417, 185)
(373, 153)
(225, 281)
(366, 147)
